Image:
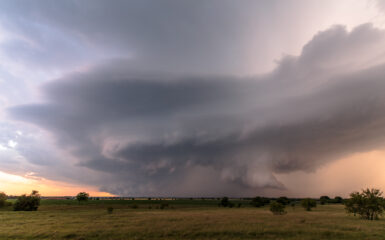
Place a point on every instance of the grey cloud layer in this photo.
(168, 35)
(171, 134)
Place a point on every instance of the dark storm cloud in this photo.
(167, 35)
(171, 134)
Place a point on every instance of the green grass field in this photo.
(183, 219)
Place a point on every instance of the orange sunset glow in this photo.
(17, 185)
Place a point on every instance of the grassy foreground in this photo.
(69, 220)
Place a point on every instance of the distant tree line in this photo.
(368, 204)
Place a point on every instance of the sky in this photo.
(192, 98)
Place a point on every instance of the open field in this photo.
(66, 219)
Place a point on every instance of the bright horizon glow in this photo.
(16, 185)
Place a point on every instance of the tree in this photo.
(324, 199)
(369, 204)
(308, 204)
(82, 196)
(259, 201)
(27, 202)
(3, 198)
(277, 208)
(283, 200)
(225, 202)
(338, 199)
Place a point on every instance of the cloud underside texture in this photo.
(171, 134)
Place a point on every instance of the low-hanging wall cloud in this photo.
(159, 133)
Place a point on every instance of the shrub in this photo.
(324, 199)
(82, 196)
(225, 202)
(308, 204)
(27, 202)
(3, 199)
(369, 204)
(277, 208)
(134, 206)
(110, 210)
(283, 200)
(259, 201)
(163, 205)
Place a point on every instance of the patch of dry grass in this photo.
(87, 222)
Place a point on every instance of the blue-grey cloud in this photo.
(213, 37)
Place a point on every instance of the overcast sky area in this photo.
(192, 98)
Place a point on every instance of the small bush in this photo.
(3, 199)
(225, 202)
(308, 204)
(27, 202)
(134, 206)
(110, 210)
(283, 200)
(277, 208)
(163, 205)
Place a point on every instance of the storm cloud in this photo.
(159, 133)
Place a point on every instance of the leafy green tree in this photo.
(369, 204)
(324, 199)
(82, 196)
(3, 199)
(308, 204)
(277, 208)
(27, 202)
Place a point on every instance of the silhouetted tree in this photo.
(283, 200)
(308, 204)
(3, 199)
(82, 196)
(338, 199)
(369, 204)
(225, 202)
(259, 201)
(324, 199)
(27, 202)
